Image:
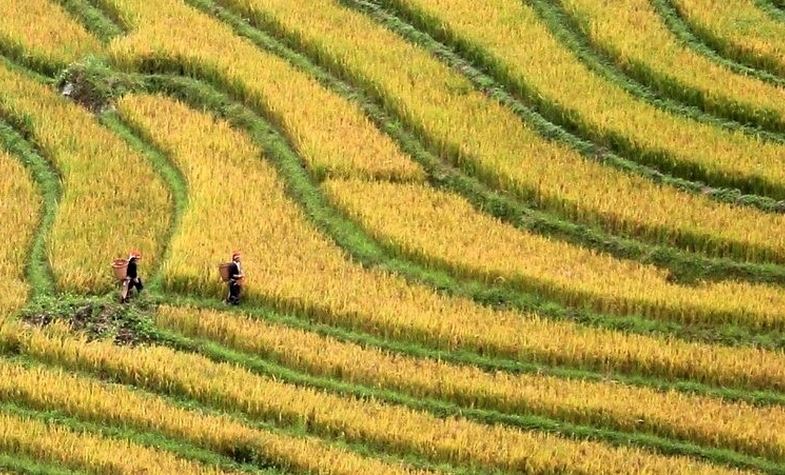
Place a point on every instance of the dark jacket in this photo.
(234, 271)
(131, 272)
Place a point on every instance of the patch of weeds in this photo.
(93, 84)
(96, 317)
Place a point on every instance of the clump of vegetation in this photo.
(93, 84)
(97, 317)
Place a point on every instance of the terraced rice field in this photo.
(510, 236)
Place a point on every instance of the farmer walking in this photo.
(235, 279)
(132, 279)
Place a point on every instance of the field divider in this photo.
(19, 465)
(680, 99)
(776, 11)
(687, 33)
(93, 19)
(489, 76)
(38, 271)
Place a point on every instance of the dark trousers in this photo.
(234, 292)
(135, 283)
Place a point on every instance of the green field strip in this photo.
(486, 362)
(491, 75)
(38, 272)
(717, 48)
(166, 170)
(25, 113)
(354, 240)
(683, 265)
(627, 327)
(445, 408)
(658, 88)
(179, 448)
(26, 466)
(92, 18)
(684, 32)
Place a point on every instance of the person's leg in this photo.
(124, 290)
(234, 293)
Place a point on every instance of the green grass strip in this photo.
(37, 271)
(170, 174)
(489, 75)
(713, 47)
(774, 8)
(156, 441)
(93, 19)
(653, 87)
(442, 409)
(488, 295)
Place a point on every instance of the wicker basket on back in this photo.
(120, 268)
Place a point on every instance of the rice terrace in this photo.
(392, 236)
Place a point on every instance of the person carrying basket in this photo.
(132, 279)
(233, 275)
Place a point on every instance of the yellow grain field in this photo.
(397, 429)
(112, 199)
(19, 212)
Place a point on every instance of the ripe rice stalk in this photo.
(444, 229)
(638, 38)
(41, 29)
(55, 444)
(330, 133)
(739, 28)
